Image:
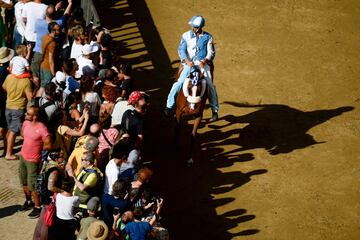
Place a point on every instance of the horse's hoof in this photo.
(167, 111)
(190, 162)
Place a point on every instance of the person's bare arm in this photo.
(29, 95)
(68, 8)
(52, 63)
(68, 166)
(22, 132)
(10, 68)
(139, 141)
(28, 52)
(80, 185)
(81, 132)
(159, 206)
(75, 114)
(47, 143)
(123, 93)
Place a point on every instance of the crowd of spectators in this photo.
(82, 124)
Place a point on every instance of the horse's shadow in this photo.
(274, 127)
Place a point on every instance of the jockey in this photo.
(196, 48)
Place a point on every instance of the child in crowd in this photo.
(19, 65)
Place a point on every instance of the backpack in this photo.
(41, 184)
(43, 117)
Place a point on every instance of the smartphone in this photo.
(116, 211)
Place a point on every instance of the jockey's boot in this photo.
(167, 111)
(214, 116)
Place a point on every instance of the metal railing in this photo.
(90, 12)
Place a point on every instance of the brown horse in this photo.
(192, 106)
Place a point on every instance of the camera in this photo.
(116, 211)
(155, 200)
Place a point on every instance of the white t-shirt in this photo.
(20, 25)
(133, 161)
(76, 50)
(83, 62)
(119, 109)
(65, 206)
(111, 175)
(32, 12)
(18, 65)
(95, 102)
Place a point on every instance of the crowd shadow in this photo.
(276, 128)
(9, 210)
(191, 195)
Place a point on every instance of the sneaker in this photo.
(35, 213)
(26, 206)
(167, 111)
(214, 116)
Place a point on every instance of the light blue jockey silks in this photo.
(195, 48)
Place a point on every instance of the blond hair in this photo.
(21, 50)
(76, 31)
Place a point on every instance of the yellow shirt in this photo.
(90, 181)
(15, 89)
(63, 141)
(81, 141)
(75, 160)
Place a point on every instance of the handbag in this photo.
(50, 212)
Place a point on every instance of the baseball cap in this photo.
(93, 204)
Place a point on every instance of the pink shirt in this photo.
(34, 136)
(111, 134)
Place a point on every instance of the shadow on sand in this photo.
(274, 127)
(8, 211)
(191, 195)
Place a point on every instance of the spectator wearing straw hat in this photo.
(5, 56)
(93, 206)
(97, 231)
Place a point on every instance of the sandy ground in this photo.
(282, 161)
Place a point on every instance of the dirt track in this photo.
(282, 162)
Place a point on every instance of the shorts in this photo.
(35, 64)
(14, 119)
(28, 172)
(45, 77)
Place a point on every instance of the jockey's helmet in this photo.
(197, 21)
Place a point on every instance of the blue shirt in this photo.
(71, 85)
(41, 29)
(196, 47)
(138, 230)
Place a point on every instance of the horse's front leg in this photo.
(197, 122)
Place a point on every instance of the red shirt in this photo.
(34, 136)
